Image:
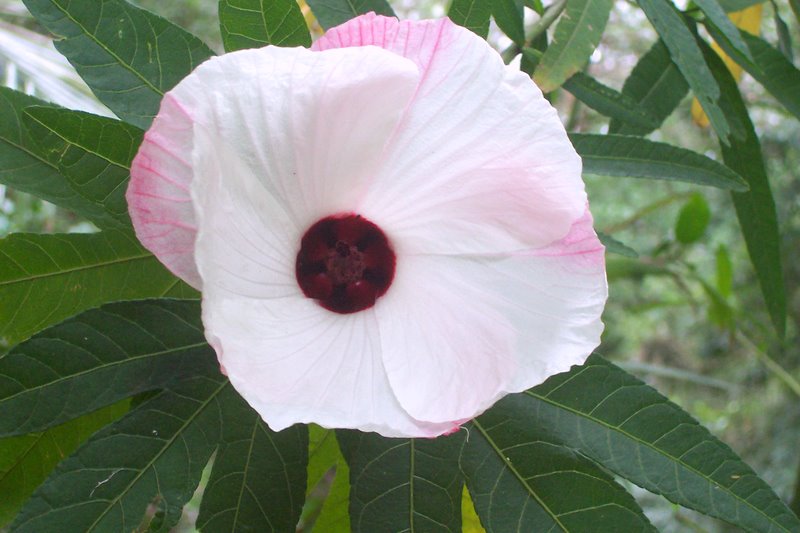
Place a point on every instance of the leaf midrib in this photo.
(83, 268)
(168, 444)
(113, 364)
(652, 447)
(97, 41)
(518, 475)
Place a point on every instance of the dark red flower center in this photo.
(345, 262)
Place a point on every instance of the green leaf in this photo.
(609, 102)
(616, 247)
(755, 208)
(686, 54)
(128, 56)
(796, 8)
(26, 461)
(93, 153)
(626, 156)
(99, 358)
(154, 455)
(403, 484)
(324, 456)
(259, 477)
(334, 517)
(693, 219)
(577, 34)
(655, 84)
(471, 14)
(509, 16)
(784, 35)
(769, 67)
(738, 5)
(523, 481)
(257, 23)
(47, 278)
(724, 274)
(630, 429)
(24, 169)
(717, 15)
(330, 13)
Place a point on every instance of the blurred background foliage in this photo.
(686, 314)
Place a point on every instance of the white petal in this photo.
(295, 362)
(246, 243)
(480, 162)
(310, 125)
(458, 332)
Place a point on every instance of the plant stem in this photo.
(550, 15)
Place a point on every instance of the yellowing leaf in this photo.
(749, 20)
(470, 523)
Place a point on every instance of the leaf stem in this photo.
(550, 15)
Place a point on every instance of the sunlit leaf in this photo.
(129, 57)
(509, 16)
(627, 156)
(24, 169)
(522, 481)
(154, 455)
(334, 516)
(655, 84)
(331, 13)
(724, 275)
(257, 23)
(98, 358)
(630, 429)
(259, 477)
(577, 34)
(26, 461)
(93, 153)
(686, 54)
(693, 219)
(738, 5)
(47, 278)
(769, 67)
(403, 484)
(755, 208)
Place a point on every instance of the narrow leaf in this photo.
(686, 54)
(257, 23)
(616, 247)
(509, 16)
(717, 15)
(27, 460)
(784, 35)
(577, 34)
(259, 477)
(609, 102)
(626, 156)
(47, 278)
(655, 84)
(324, 456)
(769, 67)
(403, 484)
(98, 358)
(23, 168)
(738, 5)
(523, 481)
(755, 208)
(633, 431)
(693, 219)
(154, 455)
(94, 154)
(128, 56)
(472, 14)
(331, 13)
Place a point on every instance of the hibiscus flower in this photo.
(390, 230)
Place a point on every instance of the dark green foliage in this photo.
(256, 23)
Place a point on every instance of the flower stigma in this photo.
(345, 262)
